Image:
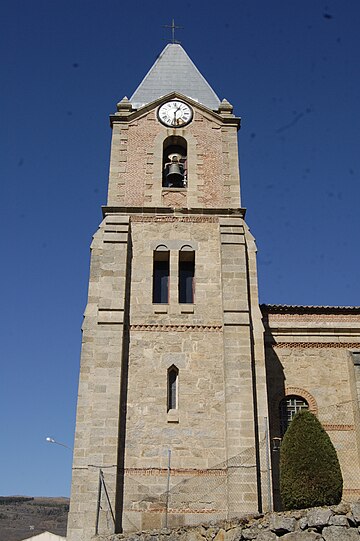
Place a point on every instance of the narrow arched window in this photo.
(289, 407)
(172, 391)
(186, 275)
(174, 162)
(161, 272)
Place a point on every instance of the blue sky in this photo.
(291, 70)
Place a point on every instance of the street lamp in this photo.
(51, 440)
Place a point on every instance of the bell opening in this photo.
(174, 163)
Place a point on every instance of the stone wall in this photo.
(210, 434)
(337, 523)
(308, 355)
(124, 425)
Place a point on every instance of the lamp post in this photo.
(51, 440)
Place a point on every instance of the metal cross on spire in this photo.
(173, 28)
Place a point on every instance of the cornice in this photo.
(129, 115)
(169, 211)
(300, 309)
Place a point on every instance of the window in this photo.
(174, 162)
(289, 406)
(186, 275)
(172, 398)
(161, 271)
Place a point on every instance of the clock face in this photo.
(175, 114)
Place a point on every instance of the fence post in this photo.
(102, 480)
(167, 488)
(98, 505)
(268, 465)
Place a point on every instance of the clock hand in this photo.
(176, 110)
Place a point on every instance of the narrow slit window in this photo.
(186, 277)
(172, 397)
(161, 272)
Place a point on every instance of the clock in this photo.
(175, 114)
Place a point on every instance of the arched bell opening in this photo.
(174, 162)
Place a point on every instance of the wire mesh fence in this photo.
(341, 422)
(226, 489)
(161, 497)
(158, 497)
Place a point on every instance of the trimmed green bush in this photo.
(310, 472)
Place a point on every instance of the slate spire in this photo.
(174, 71)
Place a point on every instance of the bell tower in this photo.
(172, 394)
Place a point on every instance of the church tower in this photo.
(172, 405)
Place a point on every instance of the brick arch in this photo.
(297, 391)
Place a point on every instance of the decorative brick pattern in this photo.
(174, 219)
(314, 345)
(174, 199)
(318, 318)
(338, 428)
(217, 472)
(177, 328)
(179, 510)
(136, 164)
(210, 164)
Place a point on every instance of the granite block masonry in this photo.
(186, 386)
(172, 353)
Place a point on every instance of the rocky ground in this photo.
(22, 517)
(337, 523)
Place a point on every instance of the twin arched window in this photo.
(161, 275)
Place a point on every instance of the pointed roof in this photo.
(174, 71)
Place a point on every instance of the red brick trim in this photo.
(338, 428)
(296, 391)
(192, 472)
(351, 491)
(314, 345)
(171, 219)
(178, 510)
(313, 317)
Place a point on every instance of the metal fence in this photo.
(341, 421)
(225, 489)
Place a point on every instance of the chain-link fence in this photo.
(159, 497)
(163, 497)
(341, 422)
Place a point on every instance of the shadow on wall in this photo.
(275, 378)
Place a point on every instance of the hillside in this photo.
(22, 517)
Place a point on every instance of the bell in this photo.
(175, 174)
